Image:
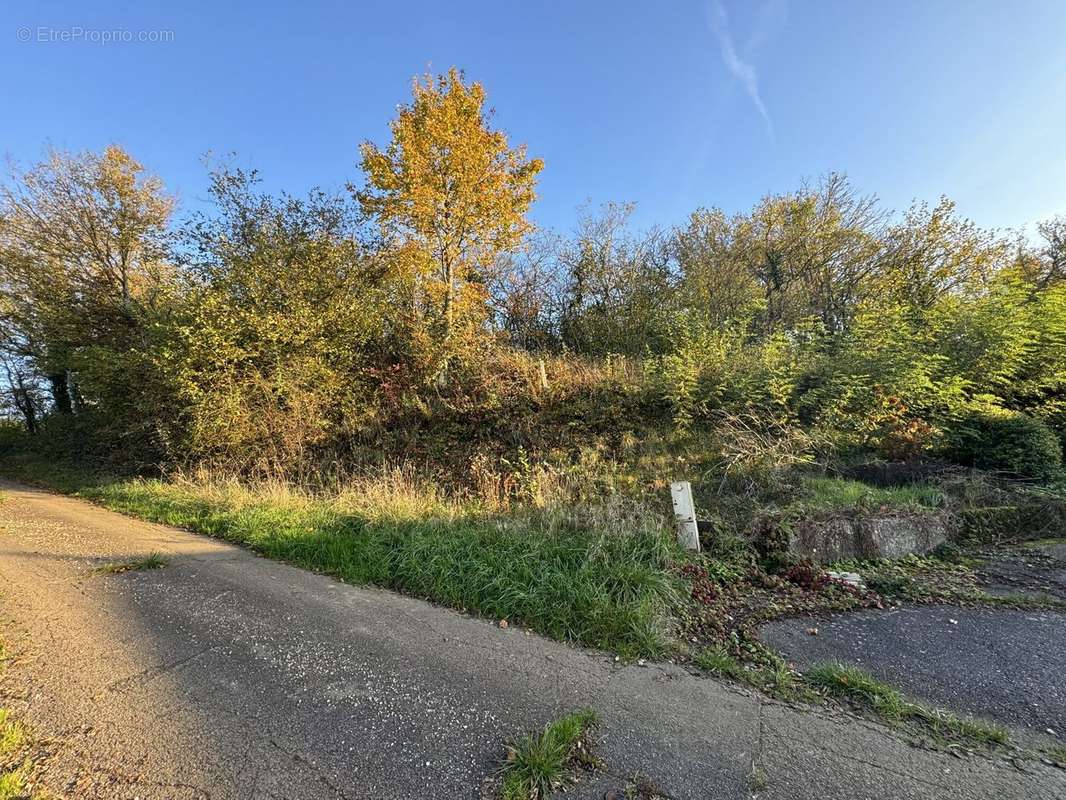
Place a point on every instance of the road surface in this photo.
(226, 675)
(1003, 664)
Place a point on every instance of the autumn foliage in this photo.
(449, 197)
(421, 317)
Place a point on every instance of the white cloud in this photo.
(744, 72)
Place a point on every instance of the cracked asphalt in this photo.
(225, 675)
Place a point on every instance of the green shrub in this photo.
(92, 437)
(13, 436)
(1008, 441)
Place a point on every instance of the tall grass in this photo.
(833, 494)
(599, 576)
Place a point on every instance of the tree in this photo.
(1053, 232)
(450, 195)
(283, 329)
(810, 252)
(82, 245)
(22, 393)
(618, 285)
(718, 284)
(933, 252)
(527, 293)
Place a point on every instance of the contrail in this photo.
(718, 22)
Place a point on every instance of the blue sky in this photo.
(671, 104)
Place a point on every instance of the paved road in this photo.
(1005, 664)
(1036, 571)
(226, 676)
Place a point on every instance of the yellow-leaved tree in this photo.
(450, 195)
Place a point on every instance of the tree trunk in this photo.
(449, 291)
(23, 399)
(60, 392)
(449, 315)
(29, 413)
(76, 399)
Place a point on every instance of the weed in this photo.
(934, 579)
(12, 734)
(12, 740)
(946, 725)
(807, 576)
(538, 764)
(774, 678)
(730, 600)
(916, 578)
(856, 684)
(1037, 544)
(863, 689)
(1025, 600)
(13, 783)
(150, 561)
(718, 661)
(1057, 754)
(757, 778)
(638, 787)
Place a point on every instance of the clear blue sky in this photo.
(671, 104)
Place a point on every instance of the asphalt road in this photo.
(225, 675)
(1004, 664)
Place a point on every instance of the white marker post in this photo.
(688, 532)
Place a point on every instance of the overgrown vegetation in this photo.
(733, 594)
(950, 577)
(835, 494)
(407, 385)
(539, 764)
(863, 689)
(849, 683)
(421, 319)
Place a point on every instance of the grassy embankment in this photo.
(600, 577)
